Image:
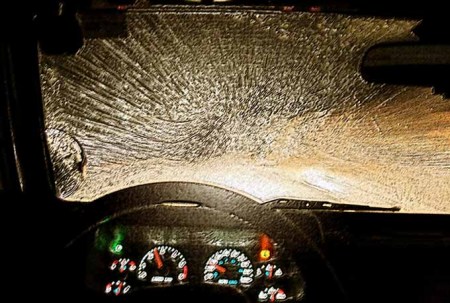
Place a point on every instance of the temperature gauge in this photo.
(272, 294)
(269, 271)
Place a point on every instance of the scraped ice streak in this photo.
(271, 105)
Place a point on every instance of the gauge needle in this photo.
(270, 273)
(221, 269)
(159, 262)
(272, 297)
(119, 289)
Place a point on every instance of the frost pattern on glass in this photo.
(268, 104)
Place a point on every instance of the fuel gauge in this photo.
(123, 265)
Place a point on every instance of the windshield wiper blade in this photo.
(322, 205)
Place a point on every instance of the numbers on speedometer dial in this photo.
(163, 265)
(229, 267)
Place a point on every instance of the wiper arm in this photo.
(321, 205)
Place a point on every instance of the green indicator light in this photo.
(116, 246)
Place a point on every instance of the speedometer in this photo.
(229, 267)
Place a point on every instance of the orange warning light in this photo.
(264, 254)
(266, 248)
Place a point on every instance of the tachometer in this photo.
(163, 265)
(229, 267)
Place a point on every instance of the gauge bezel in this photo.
(175, 279)
(240, 257)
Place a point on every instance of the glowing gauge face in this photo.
(163, 265)
(123, 265)
(229, 267)
(269, 271)
(117, 288)
(271, 294)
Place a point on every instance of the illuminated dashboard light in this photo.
(117, 248)
(264, 254)
(266, 247)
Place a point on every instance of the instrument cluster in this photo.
(127, 259)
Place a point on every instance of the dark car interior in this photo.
(176, 240)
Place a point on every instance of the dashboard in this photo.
(170, 242)
(131, 258)
(175, 242)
